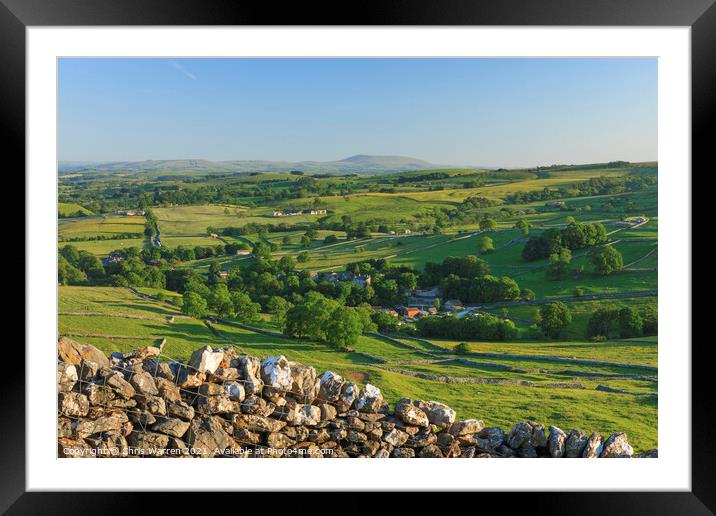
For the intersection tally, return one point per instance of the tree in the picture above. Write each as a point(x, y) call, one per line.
point(262, 250)
point(527, 294)
point(601, 322)
point(553, 318)
point(305, 241)
point(486, 245)
point(330, 239)
point(220, 301)
point(559, 264)
point(287, 240)
point(194, 305)
point(630, 323)
point(386, 323)
point(277, 306)
point(343, 328)
point(606, 259)
point(243, 306)
point(303, 257)
point(68, 274)
point(287, 263)
point(523, 226)
point(462, 349)
point(650, 319)
point(488, 224)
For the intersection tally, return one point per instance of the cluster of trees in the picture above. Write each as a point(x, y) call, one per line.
point(478, 327)
point(113, 236)
point(328, 320)
point(478, 202)
point(553, 318)
point(576, 235)
point(77, 267)
point(594, 186)
point(624, 322)
point(251, 228)
point(468, 278)
point(151, 224)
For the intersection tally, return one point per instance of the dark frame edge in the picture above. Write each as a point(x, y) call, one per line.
point(703, 115)
point(12, 131)
point(702, 498)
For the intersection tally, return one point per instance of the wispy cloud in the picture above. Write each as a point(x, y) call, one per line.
point(183, 70)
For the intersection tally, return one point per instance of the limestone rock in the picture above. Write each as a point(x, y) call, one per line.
point(98, 395)
point(308, 415)
point(278, 440)
point(370, 400)
point(250, 374)
point(594, 447)
point(328, 412)
point(519, 434)
point(556, 442)
point(171, 426)
point(469, 426)
point(276, 373)
point(252, 404)
point(235, 391)
point(617, 445)
point(73, 404)
point(396, 438)
point(207, 437)
point(73, 352)
point(205, 360)
point(574, 446)
point(304, 382)
point(349, 393)
point(438, 413)
point(403, 453)
point(410, 414)
point(118, 384)
point(225, 374)
point(168, 389)
point(66, 376)
point(87, 370)
point(143, 383)
point(258, 423)
point(330, 386)
point(148, 443)
point(110, 423)
point(430, 451)
point(492, 437)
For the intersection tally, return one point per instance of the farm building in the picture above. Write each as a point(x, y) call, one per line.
point(132, 213)
point(453, 305)
point(289, 213)
point(222, 274)
point(362, 281)
point(411, 312)
point(112, 259)
point(243, 252)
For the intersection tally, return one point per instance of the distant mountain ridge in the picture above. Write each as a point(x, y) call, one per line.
point(359, 163)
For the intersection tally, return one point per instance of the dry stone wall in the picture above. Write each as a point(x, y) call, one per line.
point(223, 404)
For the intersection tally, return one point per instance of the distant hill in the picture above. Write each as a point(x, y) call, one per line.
point(359, 164)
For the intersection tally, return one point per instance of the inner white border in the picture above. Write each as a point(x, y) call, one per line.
point(670, 471)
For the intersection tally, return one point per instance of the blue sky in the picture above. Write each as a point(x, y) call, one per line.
point(491, 112)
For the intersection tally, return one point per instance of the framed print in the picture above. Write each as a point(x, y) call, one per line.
point(434, 233)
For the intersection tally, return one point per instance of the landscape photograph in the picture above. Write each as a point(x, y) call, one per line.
point(357, 258)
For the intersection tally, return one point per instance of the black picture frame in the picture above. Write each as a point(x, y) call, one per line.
point(700, 15)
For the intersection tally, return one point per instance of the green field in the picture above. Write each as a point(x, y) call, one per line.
point(66, 209)
point(99, 316)
point(407, 219)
